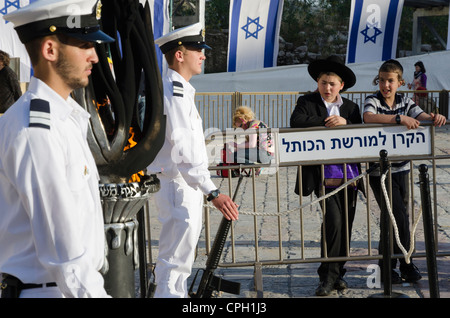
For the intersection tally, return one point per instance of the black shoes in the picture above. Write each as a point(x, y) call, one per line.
point(410, 273)
point(325, 287)
point(395, 278)
point(340, 284)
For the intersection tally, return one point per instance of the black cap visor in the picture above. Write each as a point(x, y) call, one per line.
point(97, 36)
point(89, 30)
point(195, 41)
point(196, 45)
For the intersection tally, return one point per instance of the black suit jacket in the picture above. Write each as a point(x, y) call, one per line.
point(310, 111)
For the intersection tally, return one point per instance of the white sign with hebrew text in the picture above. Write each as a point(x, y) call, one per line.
point(348, 143)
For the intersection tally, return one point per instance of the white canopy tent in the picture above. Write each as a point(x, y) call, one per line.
point(295, 78)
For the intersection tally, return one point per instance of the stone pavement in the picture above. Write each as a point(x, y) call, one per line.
point(279, 238)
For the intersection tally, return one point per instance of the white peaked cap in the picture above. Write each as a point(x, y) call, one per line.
point(190, 36)
point(76, 18)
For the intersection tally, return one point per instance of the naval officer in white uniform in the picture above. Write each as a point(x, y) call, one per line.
point(182, 164)
point(51, 229)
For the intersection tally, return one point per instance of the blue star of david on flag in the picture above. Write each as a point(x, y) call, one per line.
point(9, 4)
point(373, 30)
point(9, 40)
point(247, 28)
point(254, 34)
point(373, 37)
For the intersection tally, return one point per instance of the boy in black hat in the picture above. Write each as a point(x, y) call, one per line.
point(326, 107)
point(51, 232)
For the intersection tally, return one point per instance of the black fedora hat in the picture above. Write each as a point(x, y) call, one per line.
point(332, 64)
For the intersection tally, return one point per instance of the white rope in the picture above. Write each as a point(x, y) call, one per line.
point(407, 254)
point(209, 205)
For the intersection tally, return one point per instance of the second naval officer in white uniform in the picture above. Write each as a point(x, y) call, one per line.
point(182, 164)
point(51, 231)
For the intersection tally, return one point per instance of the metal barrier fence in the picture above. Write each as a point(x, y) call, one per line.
point(275, 109)
point(270, 207)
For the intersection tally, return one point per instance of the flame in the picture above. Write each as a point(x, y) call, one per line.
point(105, 102)
point(136, 177)
point(131, 143)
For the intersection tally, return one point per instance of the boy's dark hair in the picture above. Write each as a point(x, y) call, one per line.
point(390, 66)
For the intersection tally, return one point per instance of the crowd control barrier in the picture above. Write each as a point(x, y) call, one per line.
point(320, 145)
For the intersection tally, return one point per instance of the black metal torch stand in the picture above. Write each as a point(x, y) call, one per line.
point(121, 202)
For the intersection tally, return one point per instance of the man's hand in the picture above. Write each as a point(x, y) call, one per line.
point(226, 205)
point(335, 120)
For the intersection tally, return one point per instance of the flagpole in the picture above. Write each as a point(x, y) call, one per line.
point(170, 15)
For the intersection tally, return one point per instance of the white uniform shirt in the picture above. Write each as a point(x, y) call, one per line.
point(184, 149)
point(51, 227)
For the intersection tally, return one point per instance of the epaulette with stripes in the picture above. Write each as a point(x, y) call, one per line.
point(178, 89)
point(39, 113)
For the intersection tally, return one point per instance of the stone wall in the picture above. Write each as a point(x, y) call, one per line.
point(289, 54)
point(321, 46)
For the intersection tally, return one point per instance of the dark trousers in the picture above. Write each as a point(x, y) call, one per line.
point(336, 238)
point(400, 201)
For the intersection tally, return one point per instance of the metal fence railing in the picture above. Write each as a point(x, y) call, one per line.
point(275, 109)
point(269, 202)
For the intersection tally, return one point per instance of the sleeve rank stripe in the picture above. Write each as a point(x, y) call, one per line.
point(39, 114)
point(178, 89)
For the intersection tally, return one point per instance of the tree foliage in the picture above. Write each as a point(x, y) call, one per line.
point(316, 23)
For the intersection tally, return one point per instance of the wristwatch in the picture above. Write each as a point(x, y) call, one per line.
point(398, 119)
point(214, 194)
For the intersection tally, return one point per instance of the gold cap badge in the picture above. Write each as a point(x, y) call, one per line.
point(98, 10)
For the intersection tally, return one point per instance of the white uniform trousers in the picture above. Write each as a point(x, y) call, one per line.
point(180, 213)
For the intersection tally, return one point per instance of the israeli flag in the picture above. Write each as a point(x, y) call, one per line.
point(159, 10)
point(448, 33)
point(9, 40)
point(253, 34)
point(373, 30)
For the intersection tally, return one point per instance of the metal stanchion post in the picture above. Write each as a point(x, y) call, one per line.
point(385, 229)
point(428, 231)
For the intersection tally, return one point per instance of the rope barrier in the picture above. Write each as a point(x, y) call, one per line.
point(407, 254)
point(209, 205)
